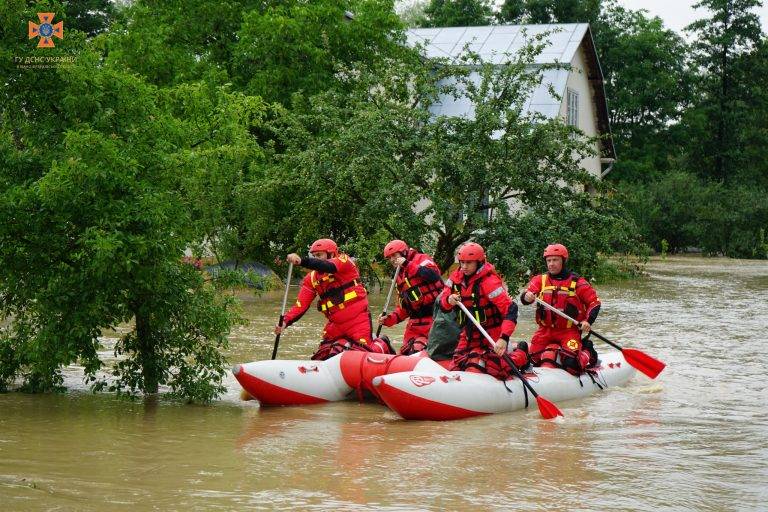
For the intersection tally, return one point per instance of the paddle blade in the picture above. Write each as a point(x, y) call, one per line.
point(650, 366)
point(547, 409)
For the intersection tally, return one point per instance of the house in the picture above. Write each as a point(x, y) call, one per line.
point(581, 101)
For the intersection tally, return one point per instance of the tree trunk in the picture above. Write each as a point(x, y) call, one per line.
point(722, 133)
point(147, 356)
point(445, 253)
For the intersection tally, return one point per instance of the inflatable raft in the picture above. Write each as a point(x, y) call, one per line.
point(425, 395)
point(346, 375)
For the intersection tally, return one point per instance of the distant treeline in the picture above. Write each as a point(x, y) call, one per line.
point(689, 115)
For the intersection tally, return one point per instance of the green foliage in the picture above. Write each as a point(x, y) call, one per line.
point(303, 47)
point(457, 13)
point(721, 49)
point(412, 14)
point(647, 84)
point(549, 11)
point(374, 163)
point(689, 124)
point(89, 16)
point(99, 202)
point(188, 326)
point(688, 212)
point(593, 228)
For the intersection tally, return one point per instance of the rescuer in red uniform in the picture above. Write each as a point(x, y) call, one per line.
point(343, 300)
point(418, 285)
point(477, 285)
point(558, 342)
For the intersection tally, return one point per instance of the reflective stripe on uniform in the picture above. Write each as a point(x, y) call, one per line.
point(347, 297)
point(495, 293)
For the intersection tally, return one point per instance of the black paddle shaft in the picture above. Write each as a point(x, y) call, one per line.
point(601, 337)
point(389, 297)
point(519, 375)
point(277, 338)
point(505, 355)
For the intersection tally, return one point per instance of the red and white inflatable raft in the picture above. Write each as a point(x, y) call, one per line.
point(346, 375)
point(424, 395)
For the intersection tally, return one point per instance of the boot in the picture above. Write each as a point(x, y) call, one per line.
point(383, 345)
point(520, 357)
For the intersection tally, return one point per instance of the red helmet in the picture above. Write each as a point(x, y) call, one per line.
point(471, 251)
point(395, 246)
point(325, 245)
point(556, 250)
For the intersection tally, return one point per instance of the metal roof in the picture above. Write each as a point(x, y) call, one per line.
point(491, 43)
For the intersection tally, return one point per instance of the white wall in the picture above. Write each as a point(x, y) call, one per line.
point(587, 119)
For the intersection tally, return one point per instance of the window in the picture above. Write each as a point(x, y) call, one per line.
point(572, 108)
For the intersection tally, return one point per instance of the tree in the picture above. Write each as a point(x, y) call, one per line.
point(107, 179)
point(376, 164)
point(549, 11)
point(169, 43)
point(457, 13)
point(687, 211)
point(720, 43)
point(648, 86)
point(754, 135)
point(412, 14)
point(305, 46)
point(90, 16)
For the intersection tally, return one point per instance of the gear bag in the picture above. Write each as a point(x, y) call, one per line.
point(443, 335)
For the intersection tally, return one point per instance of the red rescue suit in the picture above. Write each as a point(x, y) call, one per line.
point(418, 285)
point(342, 299)
point(572, 294)
point(484, 295)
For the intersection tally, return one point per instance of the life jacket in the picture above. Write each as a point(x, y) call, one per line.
point(339, 290)
point(477, 303)
point(560, 293)
point(416, 294)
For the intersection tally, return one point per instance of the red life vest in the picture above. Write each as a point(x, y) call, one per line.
point(478, 303)
point(339, 290)
point(560, 293)
point(416, 294)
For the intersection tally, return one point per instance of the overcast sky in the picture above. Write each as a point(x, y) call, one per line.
point(677, 14)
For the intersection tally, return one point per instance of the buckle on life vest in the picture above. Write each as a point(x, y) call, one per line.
point(347, 297)
point(412, 294)
point(478, 313)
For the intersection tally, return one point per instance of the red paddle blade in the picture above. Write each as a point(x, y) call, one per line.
point(547, 409)
point(648, 365)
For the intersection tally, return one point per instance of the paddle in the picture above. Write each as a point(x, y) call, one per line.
point(547, 409)
point(389, 297)
point(282, 311)
point(650, 366)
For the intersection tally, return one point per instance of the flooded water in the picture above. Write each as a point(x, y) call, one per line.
point(696, 438)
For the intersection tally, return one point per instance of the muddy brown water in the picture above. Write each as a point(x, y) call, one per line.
point(694, 439)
